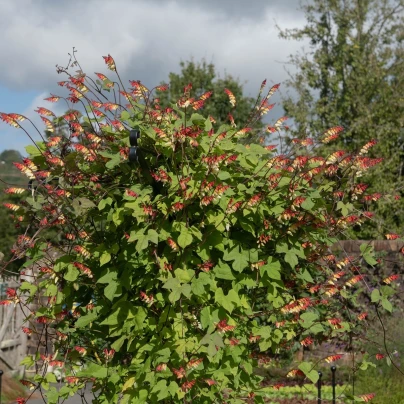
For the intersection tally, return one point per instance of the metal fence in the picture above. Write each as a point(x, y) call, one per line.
point(320, 384)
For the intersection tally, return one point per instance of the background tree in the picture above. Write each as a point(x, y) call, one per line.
point(354, 77)
point(9, 176)
point(204, 78)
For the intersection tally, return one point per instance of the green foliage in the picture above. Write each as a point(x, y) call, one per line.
point(353, 76)
point(175, 273)
point(9, 176)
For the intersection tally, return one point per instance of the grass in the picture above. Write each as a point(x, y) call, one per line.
point(307, 392)
point(11, 389)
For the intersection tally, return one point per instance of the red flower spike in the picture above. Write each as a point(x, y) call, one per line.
point(11, 206)
point(102, 76)
point(9, 120)
point(163, 87)
point(188, 385)
point(294, 373)
point(210, 382)
point(392, 236)
point(223, 327)
point(52, 98)
point(109, 354)
point(86, 270)
point(110, 62)
point(231, 96)
point(307, 341)
point(333, 358)
point(72, 379)
point(194, 363)
point(391, 278)
point(332, 134)
point(28, 384)
point(179, 373)
point(172, 244)
point(231, 119)
point(362, 316)
point(367, 397)
point(380, 356)
point(161, 367)
point(27, 330)
point(17, 117)
point(272, 90)
point(82, 351)
point(234, 341)
point(44, 111)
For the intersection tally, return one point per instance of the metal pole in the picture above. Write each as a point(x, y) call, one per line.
point(333, 370)
point(1, 375)
point(318, 387)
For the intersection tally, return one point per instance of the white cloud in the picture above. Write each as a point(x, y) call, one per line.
point(146, 38)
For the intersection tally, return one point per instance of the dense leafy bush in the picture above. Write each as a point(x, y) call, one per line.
point(176, 272)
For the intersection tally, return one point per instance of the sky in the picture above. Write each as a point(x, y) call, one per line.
point(147, 39)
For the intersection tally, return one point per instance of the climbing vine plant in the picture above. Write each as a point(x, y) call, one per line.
point(183, 255)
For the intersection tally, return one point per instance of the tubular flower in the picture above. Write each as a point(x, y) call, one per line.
point(295, 373)
point(44, 111)
point(333, 358)
point(109, 354)
point(86, 270)
point(179, 373)
point(147, 299)
point(188, 385)
point(172, 244)
point(391, 278)
point(52, 98)
point(82, 251)
point(362, 316)
point(82, 351)
point(206, 266)
point(234, 341)
point(272, 90)
point(48, 124)
point(162, 367)
point(72, 379)
point(8, 119)
point(307, 341)
point(367, 397)
point(297, 305)
point(11, 206)
point(353, 280)
point(367, 146)
point(17, 117)
point(223, 327)
point(53, 141)
point(194, 363)
point(176, 207)
point(332, 134)
point(231, 96)
point(110, 62)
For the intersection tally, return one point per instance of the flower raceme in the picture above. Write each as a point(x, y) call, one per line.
point(165, 265)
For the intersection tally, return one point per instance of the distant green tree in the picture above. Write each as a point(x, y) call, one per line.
point(204, 78)
point(10, 156)
point(354, 76)
point(9, 176)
